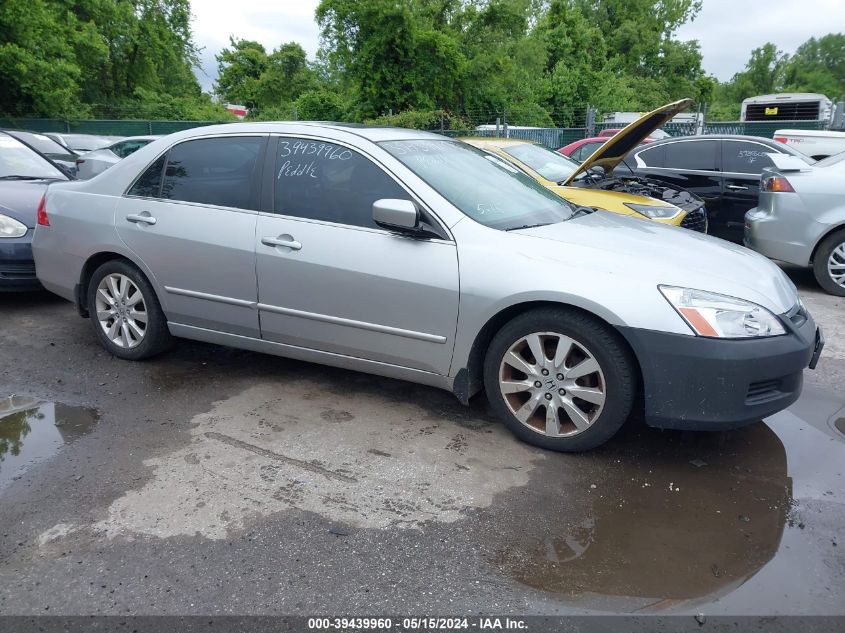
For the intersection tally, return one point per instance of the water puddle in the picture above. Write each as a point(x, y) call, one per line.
point(671, 520)
point(32, 431)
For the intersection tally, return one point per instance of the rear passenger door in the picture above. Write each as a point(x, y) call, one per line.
point(743, 161)
point(692, 164)
point(191, 218)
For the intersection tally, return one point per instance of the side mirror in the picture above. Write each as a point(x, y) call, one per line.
point(391, 213)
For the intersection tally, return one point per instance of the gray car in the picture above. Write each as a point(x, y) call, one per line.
point(800, 217)
point(410, 255)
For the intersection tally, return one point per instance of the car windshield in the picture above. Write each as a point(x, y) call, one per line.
point(43, 144)
point(484, 187)
point(550, 165)
point(17, 161)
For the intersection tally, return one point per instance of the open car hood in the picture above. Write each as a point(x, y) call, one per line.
point(617, 146)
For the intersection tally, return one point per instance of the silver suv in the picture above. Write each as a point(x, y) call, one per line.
point(410, 255)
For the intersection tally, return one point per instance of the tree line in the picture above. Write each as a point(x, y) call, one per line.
point(420, 63)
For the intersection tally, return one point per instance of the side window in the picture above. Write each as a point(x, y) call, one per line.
point(215, 171)
point(699, 155)
point(323, 181)
point(653, 156)
point(745, 158)
point(149, 184)
point(585, 151)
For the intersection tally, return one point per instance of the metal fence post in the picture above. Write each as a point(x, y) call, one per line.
point(498, 125)
point(591, 121)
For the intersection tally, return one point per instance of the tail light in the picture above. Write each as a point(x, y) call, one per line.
point(777, 183)
point(43, 220)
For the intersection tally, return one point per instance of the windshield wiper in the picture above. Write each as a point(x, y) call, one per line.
point(19, 177)
point(528, 226)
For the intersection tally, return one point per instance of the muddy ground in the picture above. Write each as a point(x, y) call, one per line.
point(215, 481)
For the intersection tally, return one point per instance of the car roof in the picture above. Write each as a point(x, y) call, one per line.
point(714, 137)
point(369, 132)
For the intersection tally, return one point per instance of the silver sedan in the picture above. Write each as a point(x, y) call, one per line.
point(410, 255)
point(800, 218)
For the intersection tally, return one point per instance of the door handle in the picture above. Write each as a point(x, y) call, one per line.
point(285, 241)
point(738, 187)
point(143, 218)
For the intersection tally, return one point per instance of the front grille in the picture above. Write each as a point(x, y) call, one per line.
point(17, 270)
point(696, 220)
point(763, 391)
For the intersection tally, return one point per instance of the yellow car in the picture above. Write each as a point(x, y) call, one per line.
point(588, 184)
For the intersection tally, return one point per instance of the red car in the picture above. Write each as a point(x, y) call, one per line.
point(582, 149)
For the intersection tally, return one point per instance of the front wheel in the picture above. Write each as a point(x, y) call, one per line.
point(829, 264)
point(125, 312)
point(560, 379)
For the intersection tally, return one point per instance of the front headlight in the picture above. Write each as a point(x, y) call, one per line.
point(719, 316)
point(10, 227)
point(653, 211)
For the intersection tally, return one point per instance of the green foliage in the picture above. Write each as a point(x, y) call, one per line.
point(529, 62)
point(421, 120)
point(320, 105)
point(77, 58)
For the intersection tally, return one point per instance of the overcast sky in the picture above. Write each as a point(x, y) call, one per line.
point(727, 29)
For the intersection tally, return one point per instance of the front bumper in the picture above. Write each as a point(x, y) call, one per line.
point(698, 383)
point(17, 268)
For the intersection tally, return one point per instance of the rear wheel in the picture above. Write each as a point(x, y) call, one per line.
point(560, 379)
point(829, 264)
point(125, 312)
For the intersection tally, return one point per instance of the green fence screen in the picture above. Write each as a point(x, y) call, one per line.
point(102, 126)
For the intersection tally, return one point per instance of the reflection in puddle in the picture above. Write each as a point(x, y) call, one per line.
point(673, 518)
point(31, 431)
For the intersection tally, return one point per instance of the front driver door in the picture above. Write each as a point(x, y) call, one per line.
point(330, 279)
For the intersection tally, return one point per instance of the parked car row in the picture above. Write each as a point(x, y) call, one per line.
point(81, 155)
point(593, 184)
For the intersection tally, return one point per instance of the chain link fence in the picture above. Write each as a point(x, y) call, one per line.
point(530, 125)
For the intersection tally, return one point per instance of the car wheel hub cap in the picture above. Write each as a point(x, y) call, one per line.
point(552, 384)
point(121, 310)
point(836, 265)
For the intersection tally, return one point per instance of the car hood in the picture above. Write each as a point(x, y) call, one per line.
point(617, 146)
point(19, 199)
point(666, 255)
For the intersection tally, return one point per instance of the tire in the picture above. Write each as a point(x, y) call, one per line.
point(831, 252)
point(611, 388)
point(136, 340)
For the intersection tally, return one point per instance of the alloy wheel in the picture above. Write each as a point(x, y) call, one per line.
point(552, 384)
point(836, 265)
point(121, 310)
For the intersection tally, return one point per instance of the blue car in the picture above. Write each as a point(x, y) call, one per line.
point(24, 177)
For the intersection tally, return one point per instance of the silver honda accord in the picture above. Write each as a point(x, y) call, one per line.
point(410, 255)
